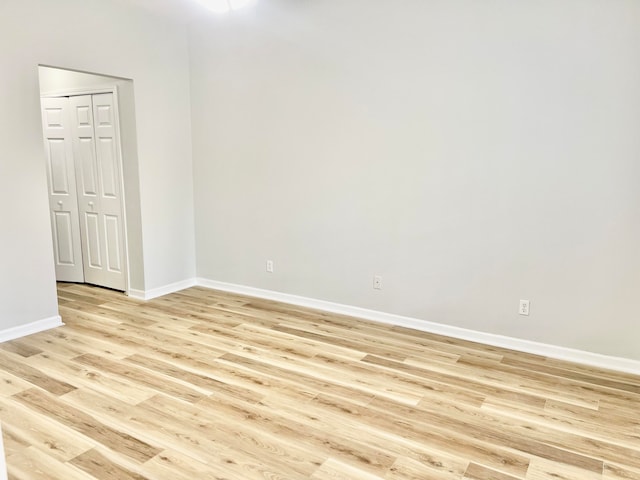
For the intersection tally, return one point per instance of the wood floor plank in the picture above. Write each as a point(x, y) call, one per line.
point(352, 344)
point(323, 442)
point(157, 382)
point(177, 466)
point(563, 434)
point(203, 384)
point(601, 383)
point(20, 347)
point(10, 384)
point(162, 430)
point(614, 472)
point(544, 470)
point(107, 312)
point(333, 469)
point(34, 464)
point(33, 429)
point(259, 442)
point(88, 377)
point(32, 375)
point(13, 443)
point(126, 337)
point(303, 381)
point(87, 425)
point(398, 348)
point(479, 472)
point(319, 370)
point(504, 391)
point(99, 466)
point(410, 469)
point(391, 417)
point(339, 416)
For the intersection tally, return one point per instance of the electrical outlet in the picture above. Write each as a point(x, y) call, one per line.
point(377, 282)
point(270, 266)
point(524, 307)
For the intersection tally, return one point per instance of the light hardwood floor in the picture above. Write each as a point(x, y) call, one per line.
point(207, 385)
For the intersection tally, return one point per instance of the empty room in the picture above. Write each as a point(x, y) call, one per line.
point(315, 239)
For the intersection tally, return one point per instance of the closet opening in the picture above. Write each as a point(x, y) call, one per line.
point(88, 123)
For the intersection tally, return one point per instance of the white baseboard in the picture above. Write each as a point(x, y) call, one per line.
point(547, 350)
point(160, 291)
point(3, 463)
point(30, 328)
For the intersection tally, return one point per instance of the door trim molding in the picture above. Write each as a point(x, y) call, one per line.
point(74, 92)
point(30, 328)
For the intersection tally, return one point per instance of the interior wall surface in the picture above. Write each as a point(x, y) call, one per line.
point(471, 153)
point(105, 37)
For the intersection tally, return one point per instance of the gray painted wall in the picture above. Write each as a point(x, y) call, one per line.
point(102, 37)
point(472, 153)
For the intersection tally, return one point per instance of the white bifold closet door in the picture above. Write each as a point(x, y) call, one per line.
point(98, 188)
point(63, 201)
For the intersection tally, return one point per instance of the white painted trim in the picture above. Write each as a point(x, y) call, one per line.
point(160, 291)
point(137, 294)
point(72, 92)
point(123, 202)
point(547, 350)
point(30, 328)
point(3, 463)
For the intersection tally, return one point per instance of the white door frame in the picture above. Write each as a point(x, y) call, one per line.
point(72, 92)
